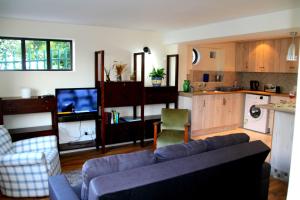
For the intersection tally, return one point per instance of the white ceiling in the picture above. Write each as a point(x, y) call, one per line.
point(156, 15)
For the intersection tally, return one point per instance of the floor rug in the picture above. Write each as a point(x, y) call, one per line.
point(74, 177)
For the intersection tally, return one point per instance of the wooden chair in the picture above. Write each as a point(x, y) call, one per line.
point(174, 127)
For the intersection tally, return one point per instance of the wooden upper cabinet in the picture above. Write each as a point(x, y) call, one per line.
point(284, 65)
point(242, 51)
point(252, 56)
point(265, 56)
point(272, 55)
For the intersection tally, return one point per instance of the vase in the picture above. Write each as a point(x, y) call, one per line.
point(156, 81)
point(186, 86)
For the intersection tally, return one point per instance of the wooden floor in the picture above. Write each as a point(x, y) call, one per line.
point(73, 161)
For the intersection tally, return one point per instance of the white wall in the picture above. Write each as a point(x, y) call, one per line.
point(119, 44)
point(272, 22)
point(294, 179)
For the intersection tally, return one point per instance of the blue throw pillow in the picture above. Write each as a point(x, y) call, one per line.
point(226, 140)
point(111, 164)
point(174, 151)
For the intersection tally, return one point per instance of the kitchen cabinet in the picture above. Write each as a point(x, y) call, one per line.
point(219, 112)
point(242, 57)
point(271, 55)
point(265, 56)
point(214, 57)
point(288, 66)
point(282, 142)
point(210, 59)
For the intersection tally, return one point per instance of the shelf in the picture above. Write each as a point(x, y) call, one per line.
point(80, 117)
point(77, 145)
point(30, 132)
point(152, 117)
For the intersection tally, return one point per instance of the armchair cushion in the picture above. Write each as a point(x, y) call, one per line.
point(6, 145)
point(174, 151)
point(174, 119)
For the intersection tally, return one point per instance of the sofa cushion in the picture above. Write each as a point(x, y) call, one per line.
point(174, 151)
point(110, 164)
point(226, 140)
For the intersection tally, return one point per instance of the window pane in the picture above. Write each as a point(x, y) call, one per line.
point(60, 52)
point(10, 54)
point(36, 55)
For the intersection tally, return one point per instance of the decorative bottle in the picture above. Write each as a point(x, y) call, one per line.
point(186, 86)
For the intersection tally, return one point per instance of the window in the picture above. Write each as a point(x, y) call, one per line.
point(26, 54)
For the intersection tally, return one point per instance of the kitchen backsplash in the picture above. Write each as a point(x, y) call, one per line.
point(285, 81)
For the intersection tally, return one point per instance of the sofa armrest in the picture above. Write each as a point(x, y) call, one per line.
point(60, 188)
point(264, 181)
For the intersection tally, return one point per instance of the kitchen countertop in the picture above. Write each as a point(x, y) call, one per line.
point(281, 107)
point(190, 94)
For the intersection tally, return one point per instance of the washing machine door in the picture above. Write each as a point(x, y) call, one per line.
point(255, 112)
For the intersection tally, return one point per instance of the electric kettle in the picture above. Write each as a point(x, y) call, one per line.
point(254, 85)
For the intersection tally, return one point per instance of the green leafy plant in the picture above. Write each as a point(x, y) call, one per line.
point(157, 73)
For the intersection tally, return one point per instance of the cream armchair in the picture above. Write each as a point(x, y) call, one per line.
point(25, 165)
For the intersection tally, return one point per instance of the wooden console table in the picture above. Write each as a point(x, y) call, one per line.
point(16, 106)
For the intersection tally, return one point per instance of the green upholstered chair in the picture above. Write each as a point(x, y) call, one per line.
point(174, 127)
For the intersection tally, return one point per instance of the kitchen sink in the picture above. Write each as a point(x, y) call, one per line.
point(227, 89)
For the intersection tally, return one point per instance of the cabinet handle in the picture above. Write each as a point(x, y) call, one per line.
point(224, 101)
point(292, 67)
point(204, 103)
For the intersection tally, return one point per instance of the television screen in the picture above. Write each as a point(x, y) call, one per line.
point(76, 100)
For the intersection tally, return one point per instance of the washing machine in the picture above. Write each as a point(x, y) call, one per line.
point(256, 119)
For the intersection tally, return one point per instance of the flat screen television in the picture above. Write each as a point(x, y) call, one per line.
point(76, 101)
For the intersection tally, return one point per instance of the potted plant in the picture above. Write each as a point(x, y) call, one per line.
point(157, 75)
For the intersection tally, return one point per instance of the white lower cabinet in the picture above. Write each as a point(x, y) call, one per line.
point(282, 142)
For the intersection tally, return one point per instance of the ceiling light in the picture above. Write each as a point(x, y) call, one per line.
point(291, 56)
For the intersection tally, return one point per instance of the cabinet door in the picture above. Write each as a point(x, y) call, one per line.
point(203, 113)
point(242, 51)
point(271, 51)
point(198, 110)
point(259, 57)
point(222, 110)
point(237, 109)
point(229, 58)
point(288, 66)
point(252, 57)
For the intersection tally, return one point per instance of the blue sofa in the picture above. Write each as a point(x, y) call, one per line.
point(222, 167)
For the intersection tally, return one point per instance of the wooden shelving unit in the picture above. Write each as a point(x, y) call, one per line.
point(133, 94)
point(119, 94)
